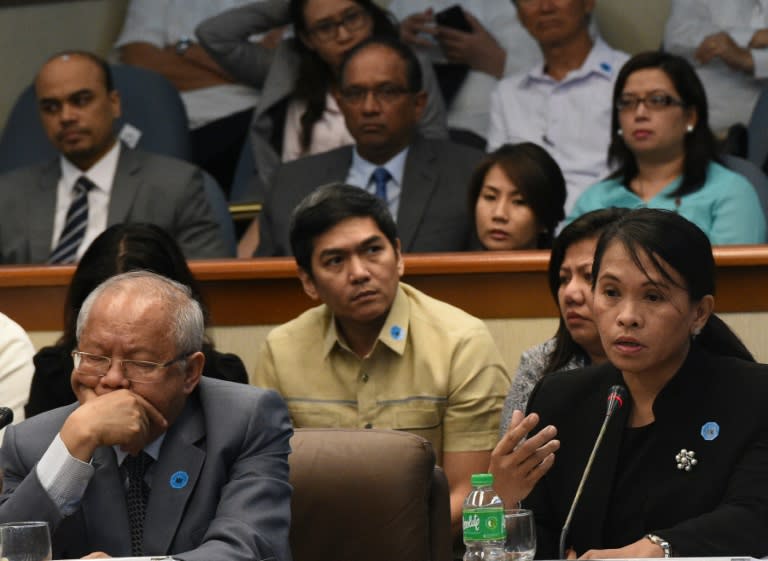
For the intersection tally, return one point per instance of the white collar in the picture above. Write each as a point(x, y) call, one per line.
point(102, 173)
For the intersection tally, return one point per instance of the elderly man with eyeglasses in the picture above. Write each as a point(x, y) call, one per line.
point(152, 460)
point(423, 181)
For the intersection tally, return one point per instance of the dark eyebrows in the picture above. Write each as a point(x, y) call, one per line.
point(374, 239)
point(608, 277)
point(333, 251)
point(649, 282)
point(345, 13)
point(69, 97)
point(47, 101)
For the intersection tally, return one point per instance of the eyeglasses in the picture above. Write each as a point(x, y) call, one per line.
point(328, 29)
point(141, 371)
point(387, 93)
point(652, 102)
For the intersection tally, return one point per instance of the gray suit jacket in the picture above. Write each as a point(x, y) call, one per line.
point(232, 442)
point(226, 38)
point(147, 188)
point(433, 214)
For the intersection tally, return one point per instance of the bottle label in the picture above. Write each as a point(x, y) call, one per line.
point(484, 524)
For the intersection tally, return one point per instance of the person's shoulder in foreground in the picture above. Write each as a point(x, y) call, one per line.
point(16, 366)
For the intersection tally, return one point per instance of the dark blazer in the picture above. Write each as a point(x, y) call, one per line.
point(226, 37)
point(146, 188)
point(51, 387)
point(719, 508)
point(433, 213)
point(233, 443)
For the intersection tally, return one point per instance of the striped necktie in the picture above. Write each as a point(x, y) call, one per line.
point(380, 178)
point(74, 227)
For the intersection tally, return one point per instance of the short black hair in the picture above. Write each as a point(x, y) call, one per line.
point(103, 65)
point(326, 207)
point(537, 177)
point(413, 77)
point(671, 243)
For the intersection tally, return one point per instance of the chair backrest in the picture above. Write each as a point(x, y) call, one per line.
point(220, 208)
point(754, 175)
point(150, 103)
point(757, 140)
point(243, 183)
point(367, 494)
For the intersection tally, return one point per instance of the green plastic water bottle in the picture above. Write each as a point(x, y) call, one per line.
point(483, 521)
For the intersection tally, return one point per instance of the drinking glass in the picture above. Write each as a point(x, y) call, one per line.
point(521, 535)
point(25, 541)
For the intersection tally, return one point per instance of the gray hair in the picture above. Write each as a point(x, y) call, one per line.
point(188, 326)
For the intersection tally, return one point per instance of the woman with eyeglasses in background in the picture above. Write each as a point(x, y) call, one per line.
point(297, 115)
point(666, 155)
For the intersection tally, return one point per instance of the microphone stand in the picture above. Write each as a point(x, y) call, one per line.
point(615, 400)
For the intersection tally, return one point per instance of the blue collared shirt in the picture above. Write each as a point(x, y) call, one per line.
point(361, 175)
point(726, 207)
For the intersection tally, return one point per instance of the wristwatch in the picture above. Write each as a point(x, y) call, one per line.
point(661, 542)
point(182, 45)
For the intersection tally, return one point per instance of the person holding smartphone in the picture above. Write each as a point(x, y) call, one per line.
point(475, 35)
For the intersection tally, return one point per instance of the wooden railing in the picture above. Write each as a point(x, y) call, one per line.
point(266, 291)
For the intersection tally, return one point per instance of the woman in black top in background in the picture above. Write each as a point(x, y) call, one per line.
point(119, 249)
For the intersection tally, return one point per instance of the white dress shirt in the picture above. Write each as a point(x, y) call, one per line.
point(361, 175)
point(469, 109)
point(165, 22)
point(16, 367)
point(101, 174)
point(731, 93)
point(571, 118)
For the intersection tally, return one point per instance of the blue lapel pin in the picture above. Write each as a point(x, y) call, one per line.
point(710, 430)
point(396, 332)
point(179, 479)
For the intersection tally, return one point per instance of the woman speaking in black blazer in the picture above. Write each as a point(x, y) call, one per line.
point(683, 467)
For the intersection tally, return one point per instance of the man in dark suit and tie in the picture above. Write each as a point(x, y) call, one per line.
point(152, 460)
point(424, 182)
point(52, 211)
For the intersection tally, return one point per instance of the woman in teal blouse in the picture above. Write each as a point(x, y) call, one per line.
point(666, 157)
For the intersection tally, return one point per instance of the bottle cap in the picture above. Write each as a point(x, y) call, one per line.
point(482, 479)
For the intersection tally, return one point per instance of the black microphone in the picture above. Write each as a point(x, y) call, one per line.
point(6, 417)
point(616, 396)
